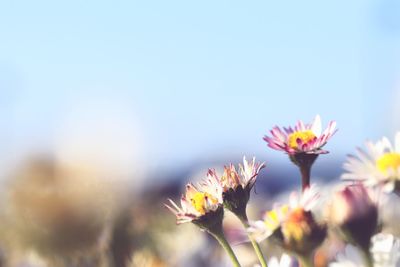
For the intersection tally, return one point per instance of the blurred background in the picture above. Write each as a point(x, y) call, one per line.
point(109, 107)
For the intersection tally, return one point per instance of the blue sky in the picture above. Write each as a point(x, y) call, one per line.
point(197, 79)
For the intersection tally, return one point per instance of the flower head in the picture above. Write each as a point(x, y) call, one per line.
point(302, 138)
point(201, 205)
point(236, 184)
point(355, 213)
point(379, 164)
point(293, 226)
point(384, 252)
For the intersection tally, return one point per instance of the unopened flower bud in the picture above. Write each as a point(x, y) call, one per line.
point(356, 214)
point(236, 185)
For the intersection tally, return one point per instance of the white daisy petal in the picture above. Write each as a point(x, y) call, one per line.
point(316, 126)
point(379, 164)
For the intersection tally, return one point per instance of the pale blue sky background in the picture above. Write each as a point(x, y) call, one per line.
point(196, 79)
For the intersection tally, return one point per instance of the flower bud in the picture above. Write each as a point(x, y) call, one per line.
point(236, 185)
point(355, 214)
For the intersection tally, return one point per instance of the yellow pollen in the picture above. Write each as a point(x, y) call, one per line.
point(305, 136)
point(273, 217)
point(296, 225)
point(199, 200)
point(388, 161)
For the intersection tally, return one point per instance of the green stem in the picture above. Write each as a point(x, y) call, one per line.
point(222, 241)
point(306, 261)
point(256, 246)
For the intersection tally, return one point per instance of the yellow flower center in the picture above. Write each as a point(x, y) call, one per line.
point(305, 136)
point(296, 225)
point(273, 217)
point(200, 199)
point(388, 161)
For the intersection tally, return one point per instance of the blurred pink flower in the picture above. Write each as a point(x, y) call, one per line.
point(355, 212)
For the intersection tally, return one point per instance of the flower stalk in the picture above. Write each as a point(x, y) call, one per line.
point(304, 161)
point(218, 234)
point(256, 246)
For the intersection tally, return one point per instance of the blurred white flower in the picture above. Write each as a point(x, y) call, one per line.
point(379, 164)
point(292, 227)
point(385, 251)
point(284, 261)
point(273, 219)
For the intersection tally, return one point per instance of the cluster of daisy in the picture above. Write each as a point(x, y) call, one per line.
point(350, 218)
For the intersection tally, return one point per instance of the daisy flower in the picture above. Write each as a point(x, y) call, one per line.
point(302, 138)
point(379, 164)
point(303, 144)
point(199, 205)
point(236, 184)
point(203, 206)
point(274, 218)
point(292, 226)
point(384, 253)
